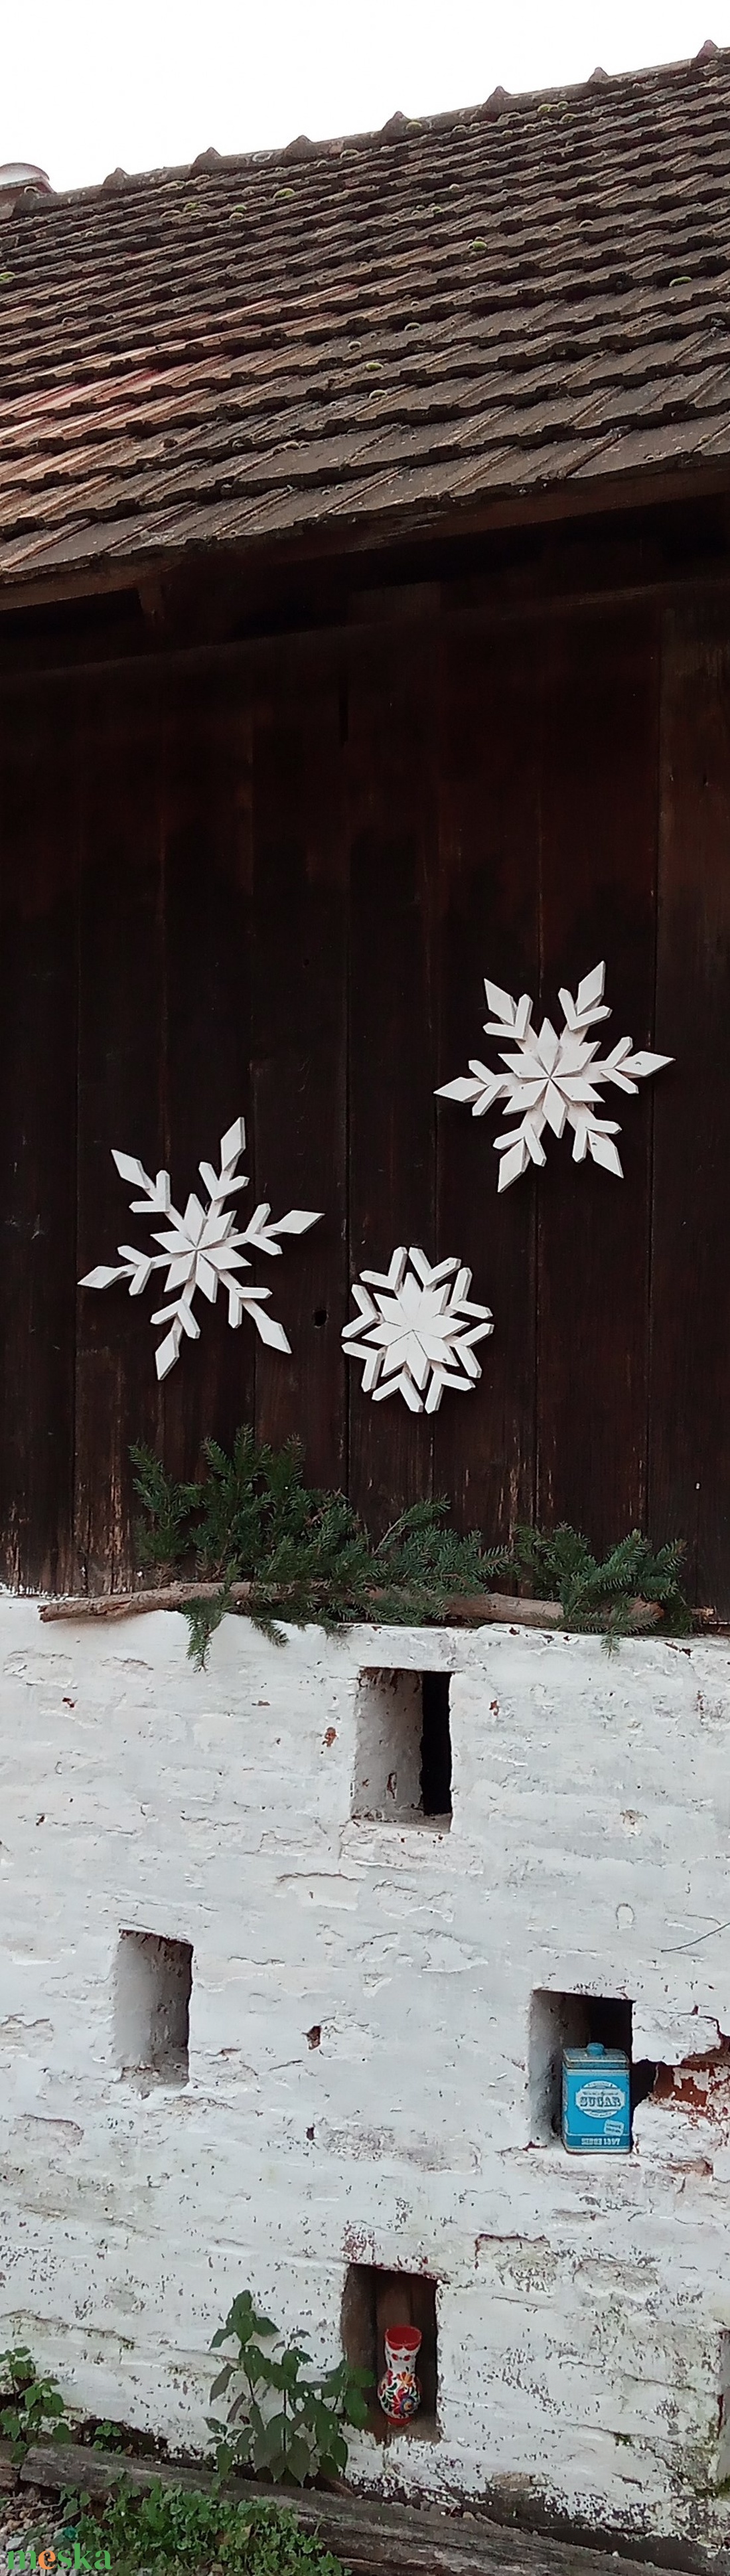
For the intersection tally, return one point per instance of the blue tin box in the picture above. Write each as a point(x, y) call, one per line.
point(596, 2100)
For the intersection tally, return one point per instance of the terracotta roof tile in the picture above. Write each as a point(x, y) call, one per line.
point(532, 293)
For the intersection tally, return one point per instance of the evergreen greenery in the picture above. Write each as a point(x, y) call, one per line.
point(305, 1553)
point(599, 1594)
point(306, 1556)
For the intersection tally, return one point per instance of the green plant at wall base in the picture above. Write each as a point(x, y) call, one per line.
point(305, 1556)
point(31, 2407)
point(300, 2436)
point(107, 2437)
point(164, 2528)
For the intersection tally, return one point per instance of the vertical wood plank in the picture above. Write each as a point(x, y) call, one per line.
point(392, 767)
point(690, 1340)
point(119, 1103)
point(207, 902)
point(598, 901)
point(487, 924)
point(38, 889)
point(300, 999)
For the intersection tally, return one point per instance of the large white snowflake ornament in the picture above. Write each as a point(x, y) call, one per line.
point(415, 1330)
point(202, 1249)
point(549, 1079)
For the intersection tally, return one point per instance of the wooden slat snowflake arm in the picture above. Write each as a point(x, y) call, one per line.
point(417, 1334)
point(551, 1077)
point(200, 1250)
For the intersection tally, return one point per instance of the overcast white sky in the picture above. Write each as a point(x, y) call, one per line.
point(87, 85)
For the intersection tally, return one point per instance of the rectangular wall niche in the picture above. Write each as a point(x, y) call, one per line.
point(403, 1747)
point(152, 2008)
point(560, 2021)
point(373, 2300)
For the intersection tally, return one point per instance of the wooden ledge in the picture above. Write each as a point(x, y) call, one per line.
point(371, 2538)
point(479, 1608)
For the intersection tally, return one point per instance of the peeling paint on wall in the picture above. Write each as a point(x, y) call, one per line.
point(358, 2074)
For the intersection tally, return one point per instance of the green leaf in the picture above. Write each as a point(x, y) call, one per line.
point(299, 2460)
point(334, 2459)
point(222, 2382)
point(356, 2407)
point(240, 2318)
point(269, 2443)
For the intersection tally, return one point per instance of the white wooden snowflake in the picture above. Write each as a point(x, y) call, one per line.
point(415, 1330)
point(551, 1078)
point(202, 1249)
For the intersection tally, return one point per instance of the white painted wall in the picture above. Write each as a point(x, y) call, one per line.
point(584, 2305)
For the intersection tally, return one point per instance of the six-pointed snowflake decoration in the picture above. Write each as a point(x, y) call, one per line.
point(415, 1330)
point(549, 1079)
point(202, 1249)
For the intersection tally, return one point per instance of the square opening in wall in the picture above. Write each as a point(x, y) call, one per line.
point(403, 1747)
point(152, 2008)
point(559, 2021)
point(374, 2302)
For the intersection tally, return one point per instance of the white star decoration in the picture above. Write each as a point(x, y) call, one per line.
point(201, 1249)
point(416, 1331)
point(550, 1079)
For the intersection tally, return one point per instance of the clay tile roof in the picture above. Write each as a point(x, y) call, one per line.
point(532, 293)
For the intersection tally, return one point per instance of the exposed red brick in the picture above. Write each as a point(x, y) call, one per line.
point(701, 2085)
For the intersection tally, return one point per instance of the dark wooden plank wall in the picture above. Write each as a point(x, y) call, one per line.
point(488, 923)
point(120, 1008)
point(393, 819)
point(598, 900)
point(299, 1042)
point(39, 832)
point(272, 882)
point(689, 1400)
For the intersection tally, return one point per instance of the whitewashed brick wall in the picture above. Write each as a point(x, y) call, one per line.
point(583, 2306)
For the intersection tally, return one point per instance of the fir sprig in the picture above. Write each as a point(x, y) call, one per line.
point(599, 1593)
point(305, 1556)
point(304, 1552)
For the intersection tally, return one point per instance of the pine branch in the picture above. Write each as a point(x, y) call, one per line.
point(603, 1596)
point(252, 1535)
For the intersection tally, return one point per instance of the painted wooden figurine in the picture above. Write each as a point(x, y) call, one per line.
point(399, 2391)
